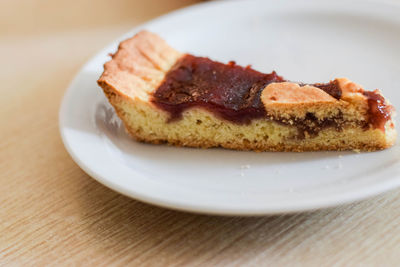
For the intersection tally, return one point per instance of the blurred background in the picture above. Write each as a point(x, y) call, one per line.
point(35, 17)
point(44, 42)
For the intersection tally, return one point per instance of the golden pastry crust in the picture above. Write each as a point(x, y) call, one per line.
point(138, 66)
point(286, 100)
point(141, 63)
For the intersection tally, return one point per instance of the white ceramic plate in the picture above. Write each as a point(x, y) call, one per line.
point(306, 41)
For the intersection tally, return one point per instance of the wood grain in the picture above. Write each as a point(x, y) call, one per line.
point(52, 213)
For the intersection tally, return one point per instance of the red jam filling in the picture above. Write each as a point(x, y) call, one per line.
point(233, 92)
point(228, 90)
point(379, 112)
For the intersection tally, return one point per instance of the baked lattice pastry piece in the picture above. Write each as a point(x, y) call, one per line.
point(164, 96)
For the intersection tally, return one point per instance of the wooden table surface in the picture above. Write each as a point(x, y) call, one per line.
point(52, 213)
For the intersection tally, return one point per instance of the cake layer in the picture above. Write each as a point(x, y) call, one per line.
point(200, 128)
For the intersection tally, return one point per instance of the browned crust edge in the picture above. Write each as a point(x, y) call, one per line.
point(251, 147)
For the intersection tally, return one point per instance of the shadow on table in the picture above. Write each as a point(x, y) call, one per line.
point(139, 232)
